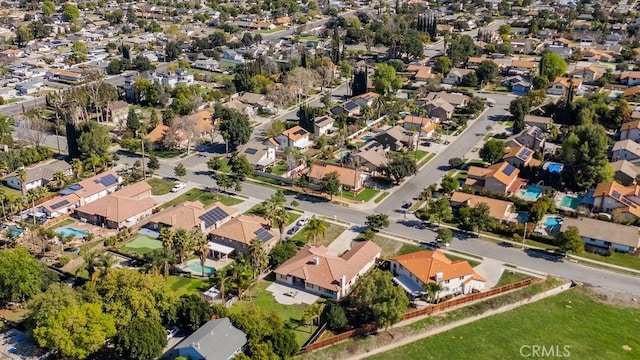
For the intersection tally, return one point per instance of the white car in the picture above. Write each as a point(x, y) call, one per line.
point(303, 221)
point(172, 331)
point(178, 187)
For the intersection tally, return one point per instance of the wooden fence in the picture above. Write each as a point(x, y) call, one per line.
point(56, 220)
point(371, 328)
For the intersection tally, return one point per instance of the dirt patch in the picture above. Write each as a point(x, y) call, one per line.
point(615, 298)
point(14, 316)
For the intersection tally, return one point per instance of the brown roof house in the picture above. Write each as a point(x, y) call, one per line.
point(427, 126)
point(117, 112)
point(499, 210)
point(258, 154)
point(630, 130)
point(414, 270)
point(561, 85)
point(456, 99)
point(121, 209)
point(531, 137)
point(440, 109)
point(192, 214)
point(374, 160)
point(294, 138)
point(236, 235)
point(605, 234)
point(316, 270)
point(351, 179)
point(625, 172)
point(397, 137)
point(623, 202)
point(500, 178)
point(520, 156)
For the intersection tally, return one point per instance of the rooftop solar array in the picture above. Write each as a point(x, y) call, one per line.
point(300, 132)
point(350, 105)
point(616, 195)
point(251, 151)
point(508, 170)
point(107, 180)
point(263, 235)
point(524, 153)
point(213, 216)
point(60, 204)
point(76, 187)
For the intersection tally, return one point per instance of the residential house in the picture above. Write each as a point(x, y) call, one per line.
point(522, 46)
point(623, 202)
point(318, 271)
point(597, 55)
point(215, 340)
point(12, 53)
point(258, 154)
point(625, 172)
point(522, 67)
point(201, 126)
point(630, 78)
point(560, 86)
point(117, 111)
point(294, 138)
point(350, 179)
point(373, 160)
point(500, 178)
point(541, 122)
point(613, 39)
point(366, 99)
point(439, 109)
point(605, 234)
point(232, 56)
point(425, 125)
point(67, 76)
point(193, 215)
point(520, 156)
point(458, 100)
point(588, 74)
point(455, 75)
point(236, 235)
point(396, 138)
point(420, 72)
point(521, 87)
point(81, 193)
point(473, 62)
point(625, 150)
point(30, 86)
point(206, 64)
point(563, 52)
point(499, 210)
point(120, 209)
point(415, 270)
point(38, 175)
point(532, 137)
point(257, 101)
point(630, 130)
point(322, 125)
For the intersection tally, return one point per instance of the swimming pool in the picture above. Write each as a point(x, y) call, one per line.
point(367, 137)
point(553, 167)
point(68, 231)
point(15, 231)
point(552, 223)
point(196, 268)
point(522, 217)
point(531, 192)
point(570, 201)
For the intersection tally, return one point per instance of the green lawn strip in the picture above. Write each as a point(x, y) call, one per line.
point(392, 247)
point(510, 277)
point(487, 137)
point(419, 154)
point(181, 285)
point(62, 223)
point(11, 193)
point(426, 159)
point(205, 197)
point(616, 258)
point(160, 186)
point(262, 299)
point(473, 263)
point(571, 318)
point(167, 154)
point(381, 197)
point(258, 210)
point(364, 195)
point(292, 217)
point(333, 231)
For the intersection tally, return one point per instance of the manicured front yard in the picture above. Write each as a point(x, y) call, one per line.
point(262, 299)
point(590, 329)
point(279, 169)
point(181, 285)
point(364, 195)
point(258, 210)
point(160, 186)
point(205, 197)
point(333, 231)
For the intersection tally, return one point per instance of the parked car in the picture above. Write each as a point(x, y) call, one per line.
point(294, 229)
point(303, 221)
point(172, 332)
point(178, 187)
point(407, 205)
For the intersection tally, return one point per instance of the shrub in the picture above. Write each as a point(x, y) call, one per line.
point(110, 241)
point(65, 260)
point(455, 162)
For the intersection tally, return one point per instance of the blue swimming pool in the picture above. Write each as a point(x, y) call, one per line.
point(570, 201)
point(68, 231)
point(15, 231)
point(552, 223)
point(196, 268)
point(553, 167)
point(531, 192)
point(367, 137)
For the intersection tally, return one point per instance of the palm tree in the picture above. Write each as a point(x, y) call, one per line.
point(432, 289)
point(167, 237)
point(76, 166)
point(270, 208)
point(3, 198)
point(107, 261)
point(379, 103)
point(311, 313)
point(93, 161)
point(259, 257)
point(91, 264)
point(201, 246)
point(182, 243)
point(59, 178)
point(47, 235)
point(280, 218)
point(315, 229)
point(18, 204)
point(21, 174)
point(32, 196)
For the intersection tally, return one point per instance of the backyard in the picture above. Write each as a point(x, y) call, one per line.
point(205, 197)
point(259, 297)
point(575, 318)
point(142, 245)
point(160, 186)
point(333, 231)
point(181, 285)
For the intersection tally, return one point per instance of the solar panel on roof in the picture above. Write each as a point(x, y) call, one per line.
point(263, 235)
point(524, 153)
point(508, 170)
point(76, 187)
point(213, 216)
point(350, 105)
point(108, 180)
point(251, 151)
point(616, 195)
point(300, 132)
point(60, 204)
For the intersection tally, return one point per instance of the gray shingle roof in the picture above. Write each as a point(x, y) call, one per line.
point(215, 340)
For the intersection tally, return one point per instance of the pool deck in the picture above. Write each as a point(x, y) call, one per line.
point(216, 264)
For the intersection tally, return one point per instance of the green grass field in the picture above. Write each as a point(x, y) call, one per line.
point(591, 329)
point(259, 297)
point(510, 277)
point(364, 195)
point(205, 197)
point(160, 186)
point(143, 244)
point(392, 247)
point(183, 285)
point(333, 231)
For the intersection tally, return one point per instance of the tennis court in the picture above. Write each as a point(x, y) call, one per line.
point(143, 244)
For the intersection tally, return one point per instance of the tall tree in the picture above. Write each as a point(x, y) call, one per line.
point(316, 228)
point(192, 312)
point(234, 127)
point(570, 240)
point(585, 151)
point(179, 170)
point(21, 275)
point(492, 151)
point(385, 79)
point(377, 222)
point(330, 184)
point(552, 65)
point(141, 339)
point(379, 300)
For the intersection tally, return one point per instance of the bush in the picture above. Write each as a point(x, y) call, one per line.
point(65, 260)
point(455, 162)
point(110, 241)
point(368, 234)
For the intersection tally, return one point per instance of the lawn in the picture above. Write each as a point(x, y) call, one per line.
point(590, 329)
point(205, 197)
point(181, 285)
point(392, 247)
point(426, 159)
point(258, 210)
point(279, 169)
point(364, 195)
point(160, 186)
point(63, 223)
point(167, 154)
point(333, 231)
point(381, 197)
point(262, 299)
point(10, 192)
point(419, 154)
point(142, 244)
point(616, 258)
point(510, 277)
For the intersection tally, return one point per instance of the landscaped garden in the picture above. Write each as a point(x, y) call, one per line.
point(364, 195)
point(331, 233)
point(205, 197)
point(142, 244)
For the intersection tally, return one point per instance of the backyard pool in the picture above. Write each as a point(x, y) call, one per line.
point(68, 231)
point(367, 137)
point(553, 167)
point(552, 224)
point(15, 231)
point(531, 192)
point(570, 201)
point(195, 267)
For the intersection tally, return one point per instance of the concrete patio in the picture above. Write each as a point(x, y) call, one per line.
point(287, 295)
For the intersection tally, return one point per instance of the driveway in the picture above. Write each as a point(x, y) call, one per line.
point(491, 270)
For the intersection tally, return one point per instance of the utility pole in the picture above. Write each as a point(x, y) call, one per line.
point(524, 234)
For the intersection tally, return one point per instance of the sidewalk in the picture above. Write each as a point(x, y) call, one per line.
point(459, 323)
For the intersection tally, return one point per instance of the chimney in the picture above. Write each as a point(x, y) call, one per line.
point(438, 277)
point(316, 260)
point(343, 280)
